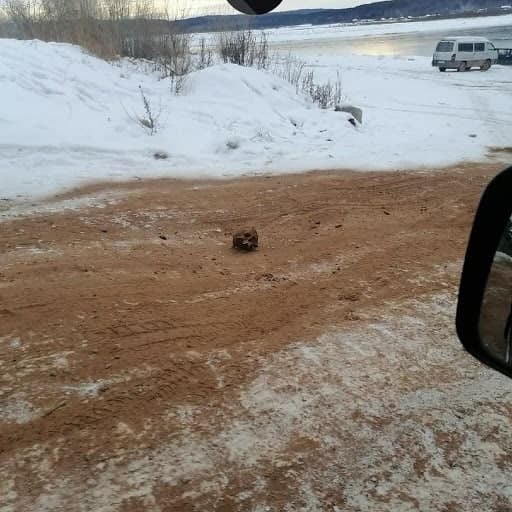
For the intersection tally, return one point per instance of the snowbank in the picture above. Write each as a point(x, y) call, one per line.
point(67, 118)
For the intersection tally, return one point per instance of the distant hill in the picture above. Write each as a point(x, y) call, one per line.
point(391, 9)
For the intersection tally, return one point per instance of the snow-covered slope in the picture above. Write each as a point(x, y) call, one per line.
point(67, 118)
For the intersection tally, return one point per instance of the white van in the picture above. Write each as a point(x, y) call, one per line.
point(464, 53)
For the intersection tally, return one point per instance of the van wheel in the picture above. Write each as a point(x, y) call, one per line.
point(463, 66)
point(486, 65)
point(442, 70)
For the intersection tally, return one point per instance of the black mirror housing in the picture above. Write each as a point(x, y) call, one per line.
point(491, 220)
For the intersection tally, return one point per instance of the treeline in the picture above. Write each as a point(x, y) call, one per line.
point(108, 28)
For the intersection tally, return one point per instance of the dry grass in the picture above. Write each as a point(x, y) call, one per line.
point(107, 28)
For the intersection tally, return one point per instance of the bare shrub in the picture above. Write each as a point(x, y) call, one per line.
point(261, 52)
point(294, 71)
point(326, 95)
point(290, 69)
point(149, 120)
point(205, 57)
point(129, 27)
point(244, 48)
point(177, 84)
point(173, 54)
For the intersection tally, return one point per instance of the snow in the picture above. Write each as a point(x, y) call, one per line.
point(17, 411)
point(350, 31)
point(501, 257)
point(68, 118)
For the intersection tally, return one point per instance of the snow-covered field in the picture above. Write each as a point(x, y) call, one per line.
point(68, 118)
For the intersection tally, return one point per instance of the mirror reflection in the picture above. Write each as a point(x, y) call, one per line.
point(496, 312)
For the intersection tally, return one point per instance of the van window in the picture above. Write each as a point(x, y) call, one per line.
point(465, 47)
point(479, 47)
point(490, 46)
point(444, 46)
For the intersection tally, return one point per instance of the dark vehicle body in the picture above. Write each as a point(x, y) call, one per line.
point(505, 56)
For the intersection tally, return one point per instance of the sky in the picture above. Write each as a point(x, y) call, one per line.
point(219, 6)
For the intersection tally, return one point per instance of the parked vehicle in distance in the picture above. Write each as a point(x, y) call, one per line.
point(464, 53)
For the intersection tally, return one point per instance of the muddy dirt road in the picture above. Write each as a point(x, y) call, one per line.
point(147, 366)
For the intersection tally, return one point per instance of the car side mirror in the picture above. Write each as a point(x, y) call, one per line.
point(484, 309)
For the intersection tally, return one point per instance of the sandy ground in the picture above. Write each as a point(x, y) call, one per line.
point(147, 366)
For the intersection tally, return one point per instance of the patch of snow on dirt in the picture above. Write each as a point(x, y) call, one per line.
point(17, 411)
point(12, 210)
point(12, 342)
point(88, 389)
point(400, 418)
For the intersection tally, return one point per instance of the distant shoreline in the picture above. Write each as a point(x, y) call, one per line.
point(197, 24)
point(399, 28)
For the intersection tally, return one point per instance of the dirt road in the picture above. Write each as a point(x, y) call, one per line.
point(146, 365)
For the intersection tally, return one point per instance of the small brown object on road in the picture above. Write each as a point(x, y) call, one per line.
point(246, 240)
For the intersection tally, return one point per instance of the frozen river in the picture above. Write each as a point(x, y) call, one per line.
point(334, 41)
